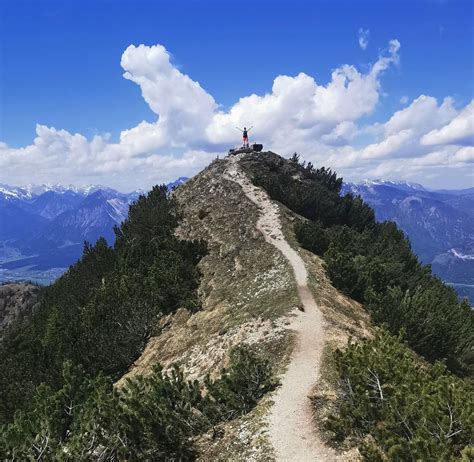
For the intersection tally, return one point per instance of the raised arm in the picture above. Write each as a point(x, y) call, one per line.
point(240, 130)
point(250, 128)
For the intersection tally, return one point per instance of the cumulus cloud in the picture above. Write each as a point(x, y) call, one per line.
point(398, 151)
point(421, 115)
point(458, 131)
point(183, 107)
point(402, 134)
point(322, 121)
point(299, 110)
point(364, 38)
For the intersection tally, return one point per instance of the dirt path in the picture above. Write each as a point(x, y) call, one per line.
point(291, 428)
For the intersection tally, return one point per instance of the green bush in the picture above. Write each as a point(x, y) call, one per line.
point(342, 270)
point(241, 386)
point(312, 236)
point(152, 417)
point(413, 411)
point(437, 325)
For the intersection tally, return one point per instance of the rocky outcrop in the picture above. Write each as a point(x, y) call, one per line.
point(16, 302)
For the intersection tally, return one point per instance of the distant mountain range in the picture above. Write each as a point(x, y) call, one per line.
point(43, 228)
point(439, 224)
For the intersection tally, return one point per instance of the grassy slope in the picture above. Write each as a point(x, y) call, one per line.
point(247, 292)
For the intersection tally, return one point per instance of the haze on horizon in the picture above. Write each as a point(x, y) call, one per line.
point(364, 89)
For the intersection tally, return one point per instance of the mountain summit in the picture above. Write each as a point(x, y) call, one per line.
point(217, 327)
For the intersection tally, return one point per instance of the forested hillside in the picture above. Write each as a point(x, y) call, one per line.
point(373, 263)
point(57, 367)
point(100, 313)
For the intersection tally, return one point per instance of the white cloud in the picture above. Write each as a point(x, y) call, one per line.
point(324, 122)
point(390, 146)
point(183, 107)
point(421, 115)
point(459, 130)
point(299, 110)
point(404, 99)
point(465, 154)
point(341, 134)
point(403, 134)
point(364, 38)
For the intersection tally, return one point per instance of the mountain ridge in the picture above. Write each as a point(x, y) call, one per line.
point(240, 324)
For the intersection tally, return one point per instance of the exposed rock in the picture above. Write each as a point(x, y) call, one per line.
point(16, 302)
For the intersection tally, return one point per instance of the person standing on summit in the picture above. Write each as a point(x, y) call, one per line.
point(245, 135)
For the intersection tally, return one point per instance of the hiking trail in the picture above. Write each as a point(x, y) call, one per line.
point(291, 428)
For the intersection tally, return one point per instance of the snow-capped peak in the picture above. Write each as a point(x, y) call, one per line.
point(174, 184)
point(36, 190)
point(398, 184)
point(13, 192)
point(31, 191)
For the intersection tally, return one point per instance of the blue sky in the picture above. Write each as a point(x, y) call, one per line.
point(60, 67)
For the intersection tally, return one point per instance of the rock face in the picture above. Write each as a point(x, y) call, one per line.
point(16, 302)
